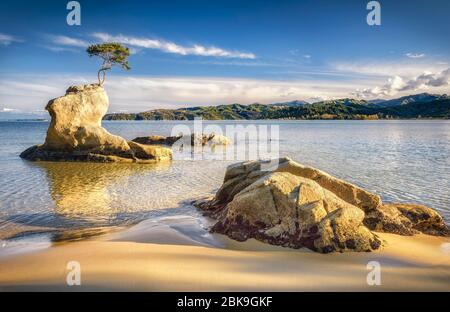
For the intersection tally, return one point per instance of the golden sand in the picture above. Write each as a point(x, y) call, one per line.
point(131, 261)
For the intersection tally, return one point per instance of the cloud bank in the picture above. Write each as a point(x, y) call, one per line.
point(398, 84)
point(379, 68)
point(141, 93)
point(135, 94)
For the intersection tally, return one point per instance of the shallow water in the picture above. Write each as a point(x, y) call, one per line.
point(405, 161)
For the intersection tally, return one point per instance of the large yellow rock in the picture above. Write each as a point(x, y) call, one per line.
point(345, 190)
point(75, 132)
point(284, 209)
point(286, 203)
point(76, 121)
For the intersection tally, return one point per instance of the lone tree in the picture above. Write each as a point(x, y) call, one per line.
point(112, 54)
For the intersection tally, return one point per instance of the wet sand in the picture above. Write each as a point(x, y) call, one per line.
point(175, 255)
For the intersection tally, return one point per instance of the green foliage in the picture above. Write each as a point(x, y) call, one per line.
point(336, 109)
point(112, 54)
point(434, 109)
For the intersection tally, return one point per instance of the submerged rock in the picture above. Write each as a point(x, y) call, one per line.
point(193, 140)
point(75, 132)
point(297, 206)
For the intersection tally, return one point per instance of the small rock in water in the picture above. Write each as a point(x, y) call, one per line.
point(193, 140)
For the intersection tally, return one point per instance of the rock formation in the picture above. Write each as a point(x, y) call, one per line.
point(76, 134)
point(211, 139)
point(298, 206)
point(406, 219)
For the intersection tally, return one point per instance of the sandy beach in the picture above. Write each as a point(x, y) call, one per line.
point(174, 255)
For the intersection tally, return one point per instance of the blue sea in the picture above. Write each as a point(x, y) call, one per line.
point(403, 161)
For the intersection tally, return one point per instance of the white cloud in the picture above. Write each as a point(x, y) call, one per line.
point(69, 41)
point(318, 98)
point(415, 55)
point(307, 56)
point(406, 68)
point(8, 110)
point(170, 47)
point(143, 93)
point(425, 80)
point(62, 42)
point(59, 48)
point(8, 39)
point(398, 84)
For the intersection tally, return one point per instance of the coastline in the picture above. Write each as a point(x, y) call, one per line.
point(178, 254)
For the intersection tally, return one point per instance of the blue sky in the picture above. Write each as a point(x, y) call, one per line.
point(218, 52)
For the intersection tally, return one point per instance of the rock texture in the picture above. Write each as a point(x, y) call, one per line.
point(76, 134)
point(406, 219)
point(211, 139)
point(298, 206)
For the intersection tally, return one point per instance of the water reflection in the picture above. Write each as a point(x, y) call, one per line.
point(84, 189)
point(85, 199)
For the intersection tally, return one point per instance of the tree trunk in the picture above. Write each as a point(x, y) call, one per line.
point(102, 80)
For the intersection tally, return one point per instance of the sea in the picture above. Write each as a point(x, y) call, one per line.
point(48, 202)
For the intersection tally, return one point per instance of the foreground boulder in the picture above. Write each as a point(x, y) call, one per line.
point(211, 139)
point(75, 132)
point(297, 206)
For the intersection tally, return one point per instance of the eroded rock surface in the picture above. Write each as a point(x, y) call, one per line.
point(75, 132)
point(297, 206)
point(406, 219)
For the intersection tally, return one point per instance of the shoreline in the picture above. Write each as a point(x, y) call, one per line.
point(179, 254)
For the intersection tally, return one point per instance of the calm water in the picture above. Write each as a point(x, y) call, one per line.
point(405, 161)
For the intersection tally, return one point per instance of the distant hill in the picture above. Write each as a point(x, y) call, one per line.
point(231, 111)
point(334, 109)
point(416, 98)
point(376, 101)
point(290, 104)
point(434, 109)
